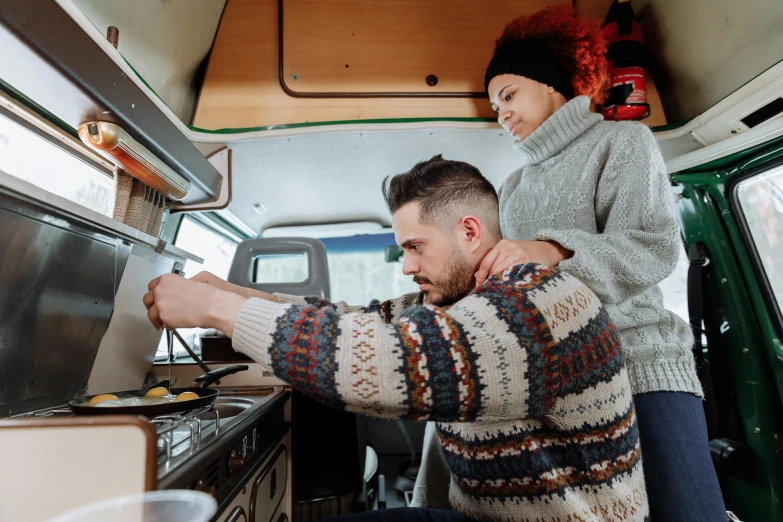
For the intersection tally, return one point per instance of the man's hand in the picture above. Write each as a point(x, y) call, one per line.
point(176, 302)
point(508, 253)
point(213, 280)
point(220, 284)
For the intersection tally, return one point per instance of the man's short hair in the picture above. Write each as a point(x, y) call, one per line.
point(447, 191)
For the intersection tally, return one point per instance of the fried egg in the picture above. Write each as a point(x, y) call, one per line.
point(103, 397)
point(186, 396)
point(157, 392)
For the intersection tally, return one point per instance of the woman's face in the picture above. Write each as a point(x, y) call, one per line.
point(522, 104)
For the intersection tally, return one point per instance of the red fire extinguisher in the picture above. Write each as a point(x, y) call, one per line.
point(627, 59)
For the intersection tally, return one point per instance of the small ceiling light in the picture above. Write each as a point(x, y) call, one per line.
point(113, 143)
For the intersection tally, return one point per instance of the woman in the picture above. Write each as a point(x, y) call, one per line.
point(592, 197)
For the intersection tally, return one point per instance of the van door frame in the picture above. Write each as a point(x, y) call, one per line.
point(708, 215)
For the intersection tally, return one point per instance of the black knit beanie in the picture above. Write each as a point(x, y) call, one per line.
point(528, 59)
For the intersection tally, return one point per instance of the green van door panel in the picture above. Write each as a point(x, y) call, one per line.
point(750, 328)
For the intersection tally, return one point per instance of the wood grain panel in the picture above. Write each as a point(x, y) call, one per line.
point(393, 45)
point(242, 88)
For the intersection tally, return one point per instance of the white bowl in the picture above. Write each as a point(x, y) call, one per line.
point(176, 505)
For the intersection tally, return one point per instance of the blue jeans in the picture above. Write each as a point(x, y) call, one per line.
point(681, 482)
point(406, 514)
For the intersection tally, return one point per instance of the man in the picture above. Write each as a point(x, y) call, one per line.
point(524, 374)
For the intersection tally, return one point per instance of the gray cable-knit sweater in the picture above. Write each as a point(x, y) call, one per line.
point(600, 189)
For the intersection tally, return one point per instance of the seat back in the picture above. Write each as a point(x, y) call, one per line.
point(243, 267)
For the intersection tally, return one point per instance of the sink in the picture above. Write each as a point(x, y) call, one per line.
point(228, 407)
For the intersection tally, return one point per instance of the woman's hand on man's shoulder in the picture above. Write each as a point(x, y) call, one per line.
point(508, 253)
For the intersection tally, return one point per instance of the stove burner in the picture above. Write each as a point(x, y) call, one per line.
point(190, 428)
point(181, 436)
point(218, 448)
point(177, 433)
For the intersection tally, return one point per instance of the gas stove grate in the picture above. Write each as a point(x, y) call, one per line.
point(177, 433)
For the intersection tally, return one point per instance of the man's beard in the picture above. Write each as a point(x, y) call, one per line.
point(457, 281)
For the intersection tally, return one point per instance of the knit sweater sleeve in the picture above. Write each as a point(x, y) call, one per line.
point(495, 354)
point(388, 310)
point(638, 241)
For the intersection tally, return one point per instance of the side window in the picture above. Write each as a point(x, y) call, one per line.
point(280, 268)
point(27, 156)
point(217, 252)
point(761, 201)
point(675, 288)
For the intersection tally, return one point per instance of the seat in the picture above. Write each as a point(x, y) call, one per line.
point(330, 446)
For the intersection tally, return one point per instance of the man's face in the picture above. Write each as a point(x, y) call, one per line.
point(433, 257)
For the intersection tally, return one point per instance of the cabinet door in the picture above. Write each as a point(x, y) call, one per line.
point(269, 487)
point(280, 517)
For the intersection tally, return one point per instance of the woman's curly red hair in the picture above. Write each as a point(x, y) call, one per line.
point(577, 44)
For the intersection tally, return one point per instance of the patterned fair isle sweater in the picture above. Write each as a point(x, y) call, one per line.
point(525, 377)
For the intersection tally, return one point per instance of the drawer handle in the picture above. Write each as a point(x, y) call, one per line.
point(237, 515)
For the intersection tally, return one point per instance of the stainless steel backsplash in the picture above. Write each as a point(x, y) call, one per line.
point(58, 280)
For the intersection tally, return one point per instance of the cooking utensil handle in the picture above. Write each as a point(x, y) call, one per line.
point(195, 357)
point(208, 378)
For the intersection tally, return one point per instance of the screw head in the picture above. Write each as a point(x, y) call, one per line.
point(431, 80)
point(294, 76)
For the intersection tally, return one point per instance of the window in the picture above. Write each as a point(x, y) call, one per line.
point(27, 156)
point(675, 288)
point(761, 200)
point(198, 239)
point(358, 271)
point(280, 268)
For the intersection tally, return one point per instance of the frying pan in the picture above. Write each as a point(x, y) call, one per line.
point(206, 396)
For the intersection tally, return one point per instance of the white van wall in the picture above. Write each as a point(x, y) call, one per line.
point(703, 50)
point(165, 42)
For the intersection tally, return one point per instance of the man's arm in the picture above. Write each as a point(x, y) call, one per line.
point(389, 310)
point(509, 350)
point(491, 356)
point(221, 284)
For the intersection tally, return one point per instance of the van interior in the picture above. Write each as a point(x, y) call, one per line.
point(250, 138)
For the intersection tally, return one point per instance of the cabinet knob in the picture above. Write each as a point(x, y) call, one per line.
point(236, 462)
point(209, 490)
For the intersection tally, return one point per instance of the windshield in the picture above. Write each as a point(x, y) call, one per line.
point(358, 271)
